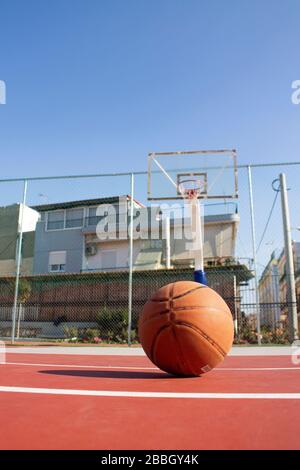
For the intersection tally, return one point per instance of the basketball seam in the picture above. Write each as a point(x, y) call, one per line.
point(181, 353)
point(199, 307)
point(179, 296)
point(152, 355)
point(182, 358)
point(188, 292)
point(154, 317)
point(204, 335)
point(171, 304)
point(194, 307)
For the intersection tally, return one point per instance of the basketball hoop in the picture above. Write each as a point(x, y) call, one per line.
point(191, 188)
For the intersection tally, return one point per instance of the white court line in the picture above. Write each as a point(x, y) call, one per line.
point(78, 366)
point(114, 393)
point(257, 368)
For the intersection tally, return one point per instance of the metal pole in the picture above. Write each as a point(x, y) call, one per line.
point(235, 306)
point(104, 175)
point(130, 259)
point(290, 274)
point(168, 242)
point(18, 261)
point(254, 254)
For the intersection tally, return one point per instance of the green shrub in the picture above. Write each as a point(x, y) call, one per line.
point(246, 332)
point(89, 335)
point(113, 324)
point(71, 332)
point(277, 336)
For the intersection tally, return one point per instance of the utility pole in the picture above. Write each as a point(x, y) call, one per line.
point(168, 241)
point(130, 258)
point(290, 274)
point(256, 282)
point(235, 321)
point(18, 262)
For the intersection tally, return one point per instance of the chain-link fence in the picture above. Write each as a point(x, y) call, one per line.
point(77, 264)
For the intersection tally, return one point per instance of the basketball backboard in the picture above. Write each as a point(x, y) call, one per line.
point(213, 173)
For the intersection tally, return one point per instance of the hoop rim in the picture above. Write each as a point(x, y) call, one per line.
point(192, 193)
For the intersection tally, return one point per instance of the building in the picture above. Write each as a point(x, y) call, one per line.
point(84, 244)
point(273, 292)
point(10, 225)
point(282, 271)
point(66, 238)
point(92, 235)
point(269, 294)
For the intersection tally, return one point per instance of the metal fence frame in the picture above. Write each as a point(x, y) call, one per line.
point(131, 176)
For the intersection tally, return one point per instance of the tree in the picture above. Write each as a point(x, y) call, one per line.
point(24, 293)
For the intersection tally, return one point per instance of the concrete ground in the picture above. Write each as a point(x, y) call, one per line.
point(135, 351)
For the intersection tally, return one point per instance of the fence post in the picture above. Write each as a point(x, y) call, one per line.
point(254, 254)
point(130, 259)
point(290, 274)
point(236, 325)
point(19, 257)
point(168, 242)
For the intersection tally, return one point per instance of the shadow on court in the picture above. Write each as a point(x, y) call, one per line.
point(109, 374)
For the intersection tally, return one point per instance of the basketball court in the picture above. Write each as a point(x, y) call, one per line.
point(115, 398)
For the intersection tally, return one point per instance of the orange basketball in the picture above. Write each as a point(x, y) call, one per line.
point(186, 328)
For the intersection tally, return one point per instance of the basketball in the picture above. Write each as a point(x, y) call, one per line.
point(186, 328)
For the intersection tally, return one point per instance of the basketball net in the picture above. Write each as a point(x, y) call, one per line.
point(191, 188)
point(191, 193)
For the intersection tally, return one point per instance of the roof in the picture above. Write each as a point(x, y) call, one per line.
point(222, 218)
point(82, 203)
point(241, 272)
point(297, 248)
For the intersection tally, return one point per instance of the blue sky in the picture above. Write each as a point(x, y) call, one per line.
point(94, 85)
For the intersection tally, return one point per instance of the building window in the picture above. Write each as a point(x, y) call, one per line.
point(57, 268)
point(55, 220)
point(153, 244)
point(74, 218)
point(57, 261)
point(93, 218)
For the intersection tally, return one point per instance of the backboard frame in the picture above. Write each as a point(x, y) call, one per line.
point(152, 161)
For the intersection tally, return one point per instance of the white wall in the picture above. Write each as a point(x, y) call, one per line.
point(122, 251)
point(8, 266)
point(219, 241)
point(30, 218)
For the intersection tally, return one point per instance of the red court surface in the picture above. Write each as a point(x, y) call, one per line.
point(54, 401)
